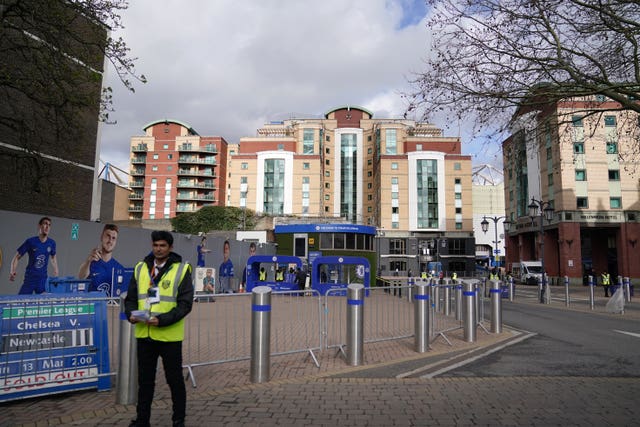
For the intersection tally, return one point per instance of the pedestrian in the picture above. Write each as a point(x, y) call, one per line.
point(225, 272)
point(263, 275)
point(202, 250)
point(247, 271)
point(606, 282)
point(160, 296)
point(301, 278)
point(40, 248)
point(100, 264)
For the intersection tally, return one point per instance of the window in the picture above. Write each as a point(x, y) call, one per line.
point(369, 173)
point(165, 146)
point(369, 186)
point(326, 197)
point(327, 150)
point(154, 168)
point(169, 168)
point(369, 209)
point(369, 162)
point(615, 202)
point(307, 141)
point(614, 175)
point(244, 165)
point(394, 180)
point(390, 136)
point(395, 225)
point(369, 150)
point(327, 185)
point(395, 210)
point(577, 121)
point(155, 156)
point(609, 120)
point(326, 138)
point(578, 147)
point(549, 153)
point(581, 175)
point(601, 98)
point(550, 179)
point(305, 179)
point(327, 162)
point(394, 195)
point(457, 166)
point(458, 210)
point(169, 156)
point(305, 165)
point(458, 196)
point(458, 181)
point(327, 173)
point(280, 147)
point(369, 197)
point(394, 166)
point(612, 147)
point(458, 226)
point(397, 247)
point(243, 180)
point(418, 147)
point(582, 202)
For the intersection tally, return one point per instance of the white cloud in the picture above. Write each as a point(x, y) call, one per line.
point(228, 67)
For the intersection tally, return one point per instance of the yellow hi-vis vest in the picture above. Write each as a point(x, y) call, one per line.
point(263, 276)
point(168, 288)
point(605, 279)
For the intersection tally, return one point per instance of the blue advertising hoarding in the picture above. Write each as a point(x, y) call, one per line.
point(52, 344)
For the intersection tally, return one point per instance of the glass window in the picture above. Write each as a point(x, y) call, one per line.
point(369, 186)
point(305, 179)
point(397, 247)
point(615, 202)
point(327, 185)
point(327, 173)
point(307, 141)
point(169, 168)
point(155, 156)
point(458, 181)
point(326, 197)
point(549, 153)
point(327, 162)
point(614, 175)
point(458, 196)
point(582, 202)
point(395, 225)
point(305, 165)
point(169, 156)
point(578, 147)
point(391, 145)
point(165, 146)
point(280, 147)
point(338, 241)
point(458, 226)
point(243, 180)
point(457, 166)
point(394, 180)
point(327, 150)
point(394, 166)
point(609, 120)
point(577, 121)
point(612, 147)
point(244, 165)
point(601, 98)
point(550, 179)
point(581, 175)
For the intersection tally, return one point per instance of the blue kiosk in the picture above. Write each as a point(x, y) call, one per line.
point(271, 265)
point(330, 273)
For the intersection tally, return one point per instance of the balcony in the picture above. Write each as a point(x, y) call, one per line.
point(194, 196)
point(208, 148)
point(197, 160)
point(139, 159)
point(139, 148)
point(137, 171)
point(196, 172)
point(135, 196)
point(207, 185)
point(186, 208)
point(137, 183)
point(135, 208)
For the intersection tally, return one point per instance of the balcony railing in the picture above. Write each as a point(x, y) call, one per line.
point(195, 184)
point(208, 148)
point(137, 183)
point(194, 196)
point(135, 208)
point(139, 159)
point(139, 148)
point(197, 160)
point(137, 171)
point(135, 196)
point(196, 172)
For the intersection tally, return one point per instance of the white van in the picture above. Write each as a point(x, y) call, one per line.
point(528, 272)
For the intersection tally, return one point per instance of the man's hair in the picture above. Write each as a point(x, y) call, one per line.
point(43, 219)
point(111, 227)
point(252, 245)
point(162, 235)
point(226, 243)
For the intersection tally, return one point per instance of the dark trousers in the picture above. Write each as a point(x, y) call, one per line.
point(171, 353)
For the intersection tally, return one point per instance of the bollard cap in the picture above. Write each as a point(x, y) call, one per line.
point(261, 290)
point(355, 286)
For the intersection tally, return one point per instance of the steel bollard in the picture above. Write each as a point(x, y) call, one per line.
point(355, 323)
point(260, 334)
point(592, 302)
point(447, 297)
point(547, 289)
point(627, 287)
point(458, 302)
point(477, 301)
point(496, 307)
point(469, 313)
point(566, 291)
point(411, 283)
point(127, 390)
point(421, 309)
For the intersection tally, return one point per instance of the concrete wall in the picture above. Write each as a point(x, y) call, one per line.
point(133, 245)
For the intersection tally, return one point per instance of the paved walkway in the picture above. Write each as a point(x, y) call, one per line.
point(382, 392)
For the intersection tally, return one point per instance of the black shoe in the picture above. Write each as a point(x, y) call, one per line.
point(136, 423)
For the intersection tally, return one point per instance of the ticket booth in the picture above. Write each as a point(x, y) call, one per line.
point(335, 273)
point(275, 269)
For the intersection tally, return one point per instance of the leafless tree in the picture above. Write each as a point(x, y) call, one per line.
point(489, 56)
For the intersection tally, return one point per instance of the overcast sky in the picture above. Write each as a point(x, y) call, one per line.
point(227, 67)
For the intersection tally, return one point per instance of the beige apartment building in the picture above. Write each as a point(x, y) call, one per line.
point(175, 170)
point(578, 159)
point(401, 176)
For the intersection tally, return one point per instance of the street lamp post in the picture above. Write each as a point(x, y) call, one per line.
point(545, 211)
point(485, 227)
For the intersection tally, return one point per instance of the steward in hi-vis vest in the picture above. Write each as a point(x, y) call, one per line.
point(160, 295)
point(606, 282)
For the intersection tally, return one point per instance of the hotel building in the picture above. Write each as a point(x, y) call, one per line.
point(403, 177)
point(580, 157)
